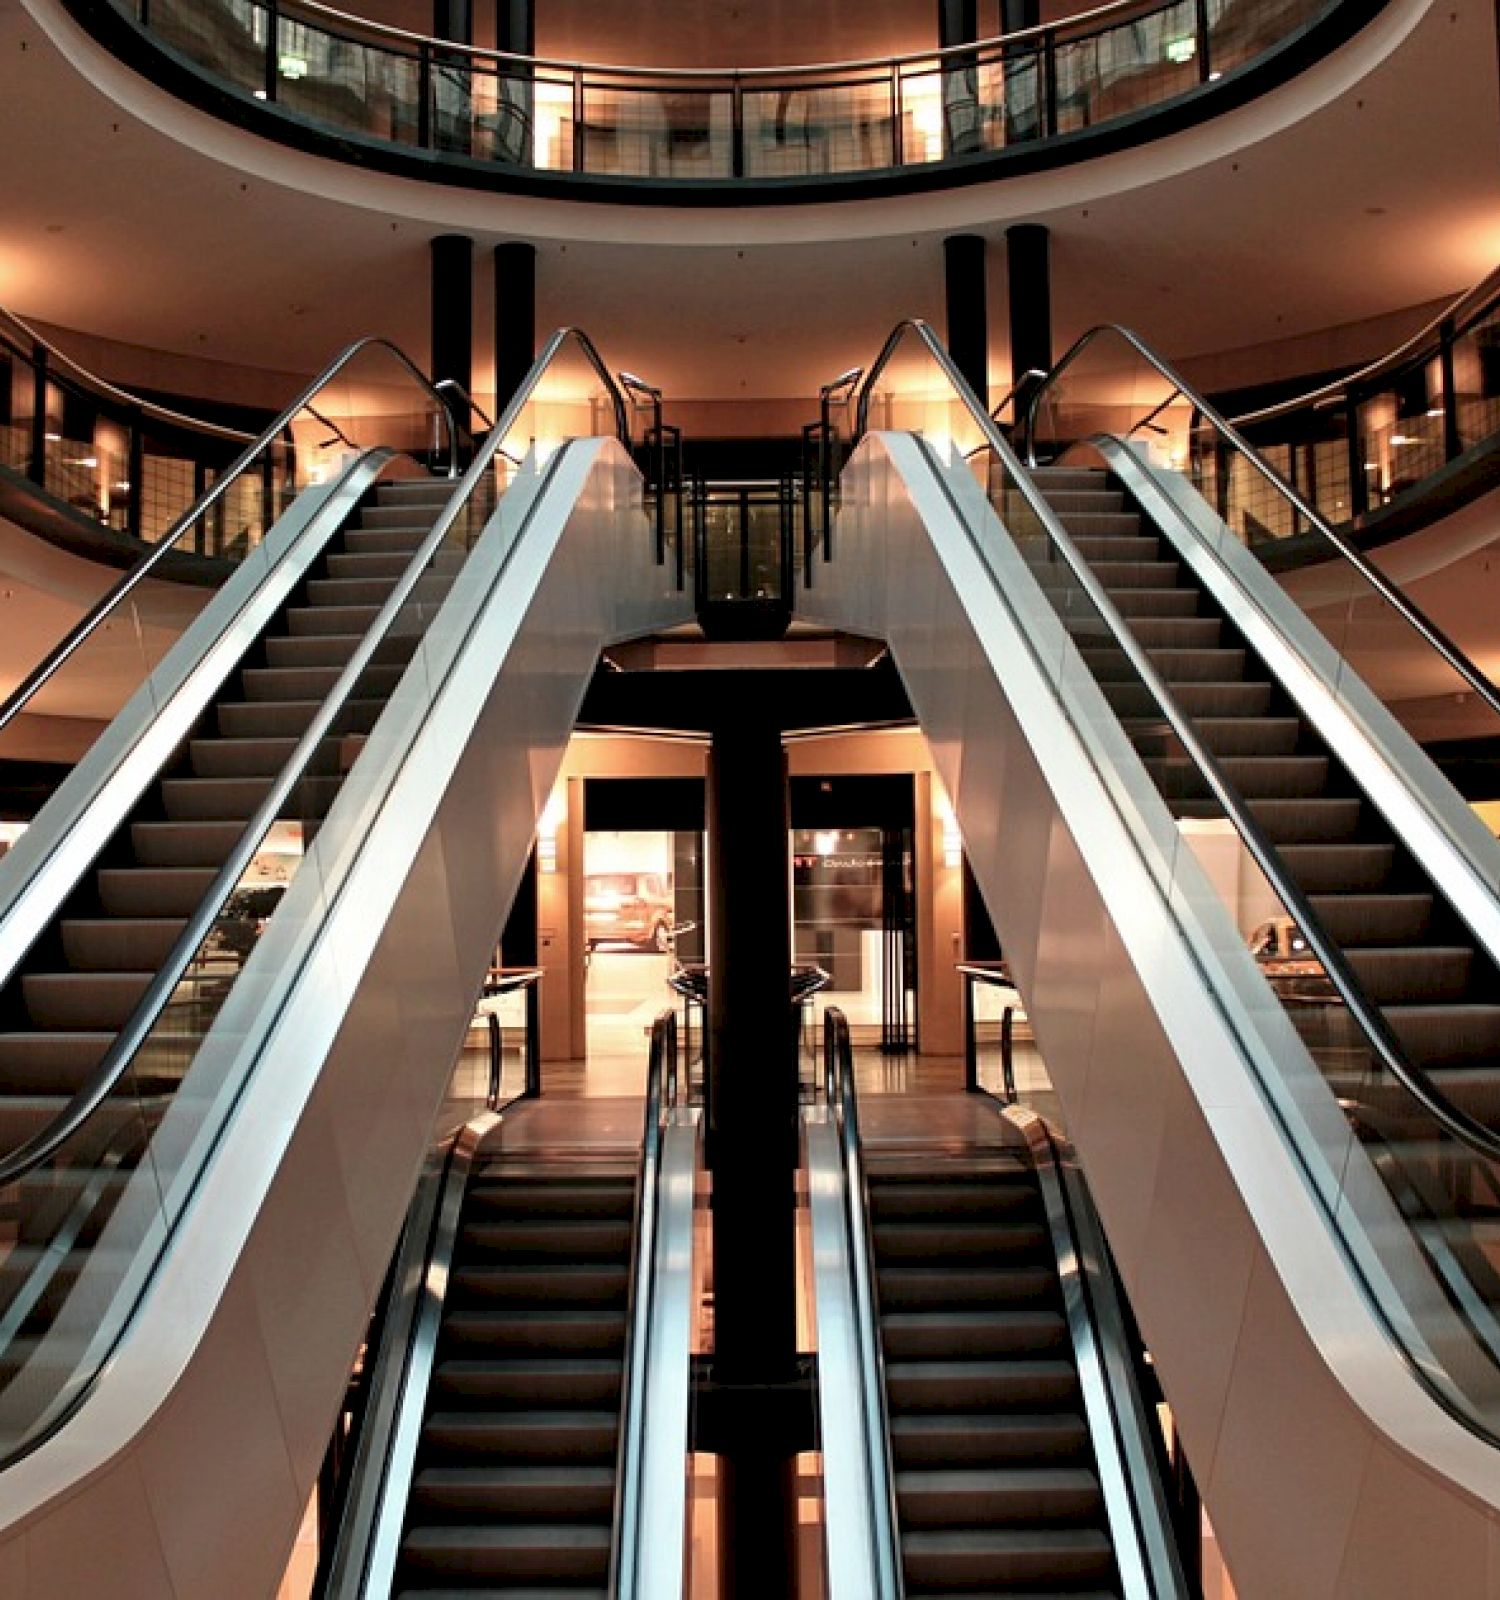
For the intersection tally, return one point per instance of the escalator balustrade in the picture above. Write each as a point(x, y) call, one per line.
point(82, 980)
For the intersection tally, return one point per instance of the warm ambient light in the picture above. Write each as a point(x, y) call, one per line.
point(825, 842)
point(1402, 438)
point(552, 818)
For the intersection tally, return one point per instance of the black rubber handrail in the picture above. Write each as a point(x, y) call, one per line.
point(123, 1048)
point(662, 1091)
point(1412, 614)
point(1387, 1048)
point(843, 1107)
point(99, 613)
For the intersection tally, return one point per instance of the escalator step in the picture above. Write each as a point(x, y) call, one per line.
point(83, 1000)
point(995, 1496)
point(1253, 776)
point(547, 1284)
point(1324, 868)
point(1178, 633)
point(240, 758)
point(1148, 602)
point(184, 844)
point(560, 1239)
point(385, 540)
point(212, 799)
point(283, 684)
point(56, 1062)
point(934, 1386)
point(1433, 975)
point(261, 718)
point(1447, 1035)
point(917, 1335)
point(549, 1493)
point(153, 892)
point(907, 1288)
point(948, 1240)
point(986, 1201)
point(108, 944)
point(568, 1553)
point(512, 1333)
point(1373, 919)
point(580, 1437)
point(958, 1439)
point(575, 1381)
point(959, 1559)
point(328, 648)
point(593, 1200)
point(399, 514)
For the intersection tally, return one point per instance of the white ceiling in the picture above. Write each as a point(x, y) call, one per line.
point(1276, 221)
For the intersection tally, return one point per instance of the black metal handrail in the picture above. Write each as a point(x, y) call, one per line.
point(116, 1061)
point(1466, 308)
point(843, 1107)
point(1175, 54)
point(1412, 614)
point(99, 613)
point(24, 340)
point(502, 981)
point(1387, 1048)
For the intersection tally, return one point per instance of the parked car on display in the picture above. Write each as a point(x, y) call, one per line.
point(628, 908)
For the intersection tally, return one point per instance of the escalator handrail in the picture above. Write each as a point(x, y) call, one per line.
point(100, 612)
point(1136, 1517)
point(1388, 1049)
point(105, 1078)
point(662, 1101)
point(843, 1106)
point(1412, 614)
point(1474, 300)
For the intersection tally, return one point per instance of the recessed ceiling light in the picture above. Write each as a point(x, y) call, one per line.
point(1375, 211)
point(56, 227)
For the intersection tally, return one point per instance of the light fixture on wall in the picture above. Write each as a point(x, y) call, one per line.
point(953, 840)
point(550, 821)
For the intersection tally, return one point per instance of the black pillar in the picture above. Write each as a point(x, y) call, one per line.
point(753, 1153)
point(452, 307)
point(1028, 259)
point(968, 309)
point(515, 317)
point(515, 27)
point(453, 19)
point(958, 22)
point(1018, 14)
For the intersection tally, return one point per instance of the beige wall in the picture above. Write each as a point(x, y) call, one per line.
point(561, 946)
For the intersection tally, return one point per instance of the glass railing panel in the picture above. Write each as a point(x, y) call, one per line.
point(1476, 379)
point(643, 130)
point(1125, 67)
point(229, 38)
point(352, 85)
point(1402, 433)
point(1241, 30)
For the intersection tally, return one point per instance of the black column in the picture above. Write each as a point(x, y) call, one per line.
point(968, 309)
point(753, 1153)
point(958, 22)
point(515, 317)
point(1028, 260)
point(1018, 14)
point(453, 19)
point(515, 27)
point(452, 307)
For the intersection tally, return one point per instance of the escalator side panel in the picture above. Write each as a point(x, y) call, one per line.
point(353, 1008)
point(1260, 1332)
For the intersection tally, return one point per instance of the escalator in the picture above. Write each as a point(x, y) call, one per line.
point(531, 1375)
point(1255, 931)
point(1007, 1447)
point(241, 958)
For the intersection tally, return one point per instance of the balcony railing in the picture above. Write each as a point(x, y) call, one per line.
point(352, 77)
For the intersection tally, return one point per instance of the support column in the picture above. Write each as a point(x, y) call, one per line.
point(515, 27)
point(958, 23)
point(753, 1154)
point(1026, 78)
point(968, 309)
point(453, 19)
point(515, 318)
point(1029, 263)
point(452, 307)
point(1018, 14)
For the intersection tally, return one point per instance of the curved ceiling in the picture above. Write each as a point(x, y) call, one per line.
point(1366, 185)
